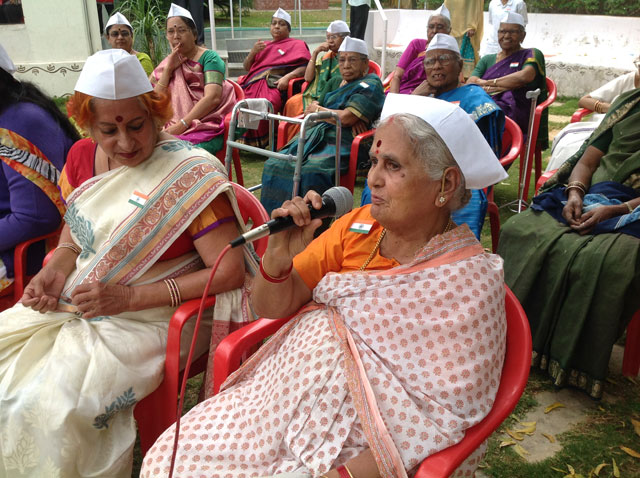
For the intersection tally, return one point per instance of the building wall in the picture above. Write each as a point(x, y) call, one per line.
point(50, 48)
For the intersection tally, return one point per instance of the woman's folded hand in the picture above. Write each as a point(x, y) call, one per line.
point(96, 299)
point(572, 211)
point(43, 291)
point(590, 219)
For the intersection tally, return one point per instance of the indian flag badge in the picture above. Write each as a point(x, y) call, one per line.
point(361, 227)
point(138, 199)
point(514, 65)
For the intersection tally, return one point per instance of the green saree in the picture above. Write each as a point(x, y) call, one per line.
point(579, 292)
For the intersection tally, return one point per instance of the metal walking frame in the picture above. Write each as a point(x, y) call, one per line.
point(242, 106)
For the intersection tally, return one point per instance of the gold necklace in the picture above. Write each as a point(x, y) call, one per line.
point(375, 249)
point(450, 225)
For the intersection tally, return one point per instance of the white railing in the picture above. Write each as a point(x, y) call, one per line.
point(383, 15)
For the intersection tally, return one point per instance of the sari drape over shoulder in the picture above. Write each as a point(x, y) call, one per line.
point(514, 103)
point(580, 291)
point(187, 88)
point(278, 58)
point(411, 62)
point(382, 360)
point(364, 98)
point(68, 385)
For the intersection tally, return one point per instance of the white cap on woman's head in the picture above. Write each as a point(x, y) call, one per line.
point(117, 19)
point(512, 17)
point(282, 14)
point(459, 132)
point(354, 45)
point(178, 11)
point(113, 75)
point(442, 41)
point(338, 26)
point(442, 11)
point(5, 62)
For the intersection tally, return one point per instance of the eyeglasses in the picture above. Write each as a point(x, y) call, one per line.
point(439, 27)
point(349, 59)
point(509, 32)
point(179, 31)
point(332, 37)
point(122, 33)
point(444, 60)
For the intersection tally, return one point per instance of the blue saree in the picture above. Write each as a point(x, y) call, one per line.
point(364, 98)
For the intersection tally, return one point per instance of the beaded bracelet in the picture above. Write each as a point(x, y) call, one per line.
point(275, 280)
point(174, 292)
point(70, 245)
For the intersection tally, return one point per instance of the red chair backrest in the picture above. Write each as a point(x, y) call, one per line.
point(515, 372)
point(553, 93)
point(252, 209)
point(387, 81)
point(238, 89)
point(375, 68)
point(512, 142)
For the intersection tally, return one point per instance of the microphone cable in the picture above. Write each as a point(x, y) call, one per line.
point(185, 375)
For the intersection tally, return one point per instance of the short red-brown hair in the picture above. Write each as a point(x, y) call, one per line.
point(80, 106)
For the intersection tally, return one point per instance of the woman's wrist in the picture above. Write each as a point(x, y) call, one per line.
point(274, 270)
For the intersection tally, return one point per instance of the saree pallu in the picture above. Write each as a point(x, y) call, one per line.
point(187, 88)
point(412, 65)
point(514, 103)
point(277, 58)
point(363, 97)
point(580, 291)
point(400, 361)
point(68, 385)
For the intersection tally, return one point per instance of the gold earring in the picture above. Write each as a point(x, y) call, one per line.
point(442, 200)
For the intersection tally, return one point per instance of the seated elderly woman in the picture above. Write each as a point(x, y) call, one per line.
point(573, 258)
point(320, 69)
point(409, 72)
point(270, 66)
point(443, 65)
point(194, 76)
point(88, 340)
point(357, 98)
point(119, 34)
point(390, 299)
point(571, 137)
point(34, 140)
point(508, 75)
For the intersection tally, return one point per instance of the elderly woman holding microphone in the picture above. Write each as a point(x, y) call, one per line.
point(398, 337)
point(142, 230)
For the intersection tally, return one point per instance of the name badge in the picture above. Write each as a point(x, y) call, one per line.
point(280, 51)
point(138, 199)
point(364, 85)
point(514, 65)
point(361, 227)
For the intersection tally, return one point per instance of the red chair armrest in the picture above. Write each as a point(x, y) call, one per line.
point(230, 351)
point(283, 127)
point(349, 180)
point(20, 260)
point(579, 114)
point(543, 179)
point(292, 83)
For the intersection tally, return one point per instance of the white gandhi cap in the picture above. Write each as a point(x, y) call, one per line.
point(354, 45)
point(338, 26)
point(178, 11)
point(117, 19)
point(282, 14)
point(468, 147)
point(512, 17)
point(442, 11)
point(5, 62)
point(442, 41)
point(113, 75)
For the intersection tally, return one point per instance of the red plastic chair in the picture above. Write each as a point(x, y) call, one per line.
point(237, 165)
point(631, 357)
point(515, 372)
point(156, 412)
point(579, 114)
point(387, 81)
point(536, 152)
point(512, 143)
point(12, 294)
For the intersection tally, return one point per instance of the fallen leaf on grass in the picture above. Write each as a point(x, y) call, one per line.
point(557, 469)
point(631, 452)
point(601, 408)
point(549, 437)
point(553, 407)
point(616, 471)
point(507, 443)
point(520, 451)
point(514, 435)
point(636, 426)
point(571, 470)
point(599, 468)
point(529, 428)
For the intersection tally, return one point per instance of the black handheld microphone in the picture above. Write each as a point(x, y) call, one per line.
point(335, 202)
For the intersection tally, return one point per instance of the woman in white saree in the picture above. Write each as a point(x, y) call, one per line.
point(399, 344)
point(142, 230)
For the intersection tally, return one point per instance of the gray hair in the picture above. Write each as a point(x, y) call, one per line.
point(432, 152)
point(447, 22)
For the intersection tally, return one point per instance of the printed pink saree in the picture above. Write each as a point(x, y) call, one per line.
point(400, 362)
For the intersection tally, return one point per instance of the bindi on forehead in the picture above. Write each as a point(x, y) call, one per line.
point(119, 119)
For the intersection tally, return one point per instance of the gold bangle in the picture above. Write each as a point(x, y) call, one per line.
point(70, 245)
point(495, 82)
point(631, 209)
point(184, 123)
point(578, 184)
point(162, 84)
point(174, 292)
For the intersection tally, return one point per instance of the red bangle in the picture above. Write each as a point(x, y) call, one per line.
point(275, 280)
point(344, 472)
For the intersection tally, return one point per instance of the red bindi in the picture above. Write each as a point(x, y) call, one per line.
point(119, 119)
point(377, 151)
point(379, 143)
